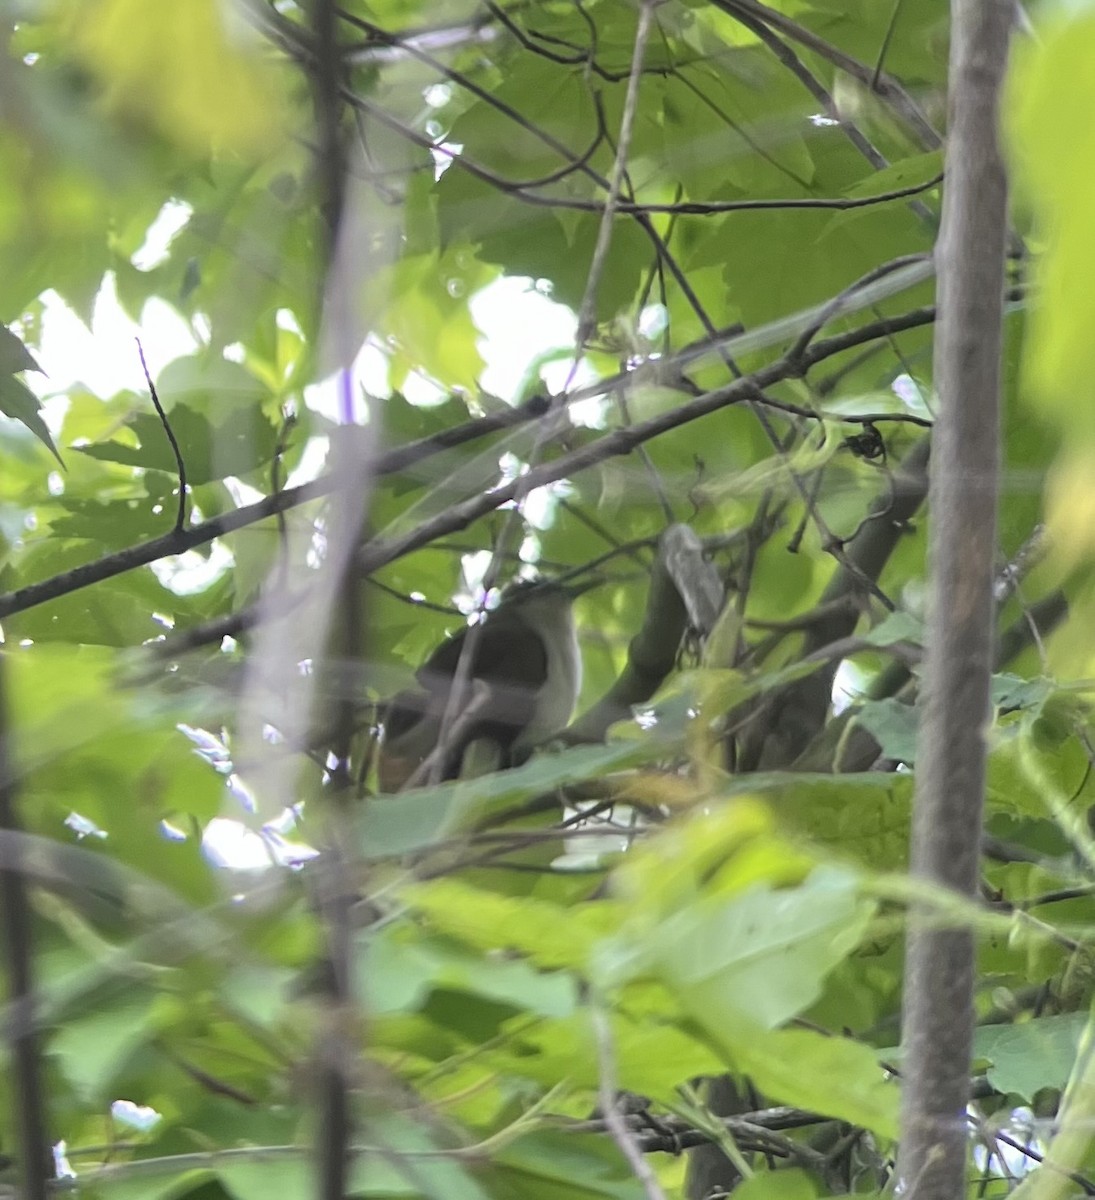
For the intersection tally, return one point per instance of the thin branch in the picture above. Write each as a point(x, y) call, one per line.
point(1033, 625)
point(571, 162)
point(281, 569)
point(180, 518)
point(619, 442)
point(613, 1118)
point(781, 1117)
point(376, 554)
point(179, 541)
point(837, 305)
point(882, 85)
point(463, 162)
point(679, 276)
point(705, 208)
point(524, 189)
point(883, 50)
point(588, 307)
point(811, 83)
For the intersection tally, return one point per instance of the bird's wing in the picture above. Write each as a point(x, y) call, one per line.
point(507, 650)
point(509, 669)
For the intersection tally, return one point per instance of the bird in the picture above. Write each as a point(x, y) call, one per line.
point(526, 672)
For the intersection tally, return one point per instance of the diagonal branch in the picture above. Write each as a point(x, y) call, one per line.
point(379, 553)
point(179, 541)
point(879, 82)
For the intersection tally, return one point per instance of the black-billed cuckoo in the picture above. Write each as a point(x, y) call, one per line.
point(526, 671)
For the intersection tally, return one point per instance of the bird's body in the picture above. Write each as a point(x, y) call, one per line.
point(524, 681)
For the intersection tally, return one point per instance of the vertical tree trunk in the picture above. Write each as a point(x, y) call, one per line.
point(938, 1024)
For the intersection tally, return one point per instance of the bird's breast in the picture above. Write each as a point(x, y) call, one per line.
point(563, 678)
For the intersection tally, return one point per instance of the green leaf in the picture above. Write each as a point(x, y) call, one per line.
point(905, 172)
point(92, 1049)
point(831, 1075)
point(653, 1055)
point(759, 957)
point(893, 725)
point(163, 1185)
point(791, 1184)
point(1026, 1056)
point(239, 444)
point(412, 1161)
point(549, 934)
point(1056, 755)
point(110, 614)
point(558, 1166)
point(1012, 692)
point(896, 627)
point(181, 70)
point(1048, 95)
point(864, 815)
point(719, 852)
point(14, 356)
point(255, 1179)
point(399, 824)
point(113, 524)
point(398, 972)
point(21, 404)
point(62, 697)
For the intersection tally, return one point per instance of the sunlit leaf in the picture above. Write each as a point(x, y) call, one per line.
point(186, 69)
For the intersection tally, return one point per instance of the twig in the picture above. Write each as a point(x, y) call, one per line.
point(288, 422)
point(812, 84)
point(180, 518)
point(836, 306)
point(1028, 556)
point(524, 190)
point(587, 309)
point(882, 84)
point(887, 38)
point(476, 698)
point(609, 1102)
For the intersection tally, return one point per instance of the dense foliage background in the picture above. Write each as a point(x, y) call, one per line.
point(465, 289)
